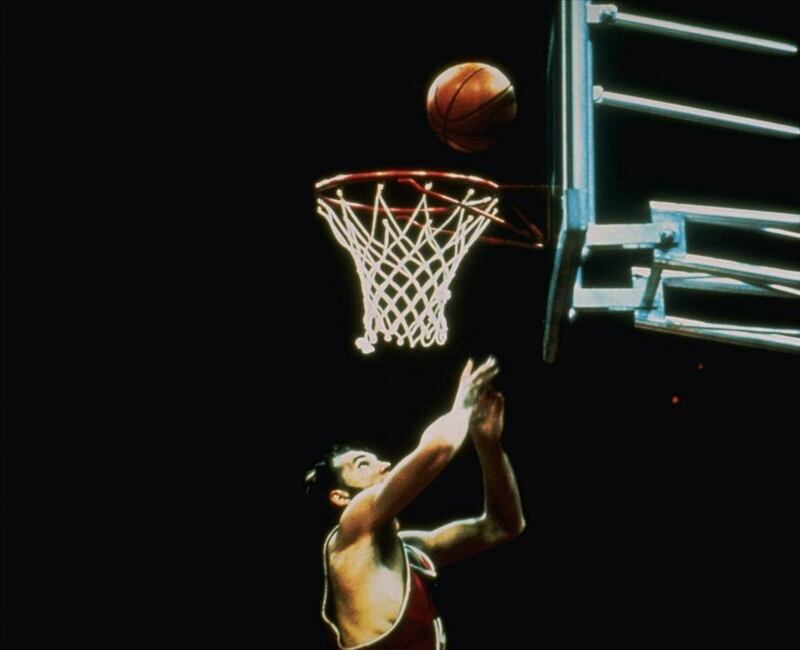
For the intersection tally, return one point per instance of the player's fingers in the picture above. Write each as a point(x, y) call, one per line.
point(486, 375)
point(467, 370)
point(490, 361)
point(487, 366)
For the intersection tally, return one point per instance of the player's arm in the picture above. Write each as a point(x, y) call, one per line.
point(502, 519)
point(375, 506)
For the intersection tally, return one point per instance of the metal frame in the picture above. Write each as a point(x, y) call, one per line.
point(574, 199)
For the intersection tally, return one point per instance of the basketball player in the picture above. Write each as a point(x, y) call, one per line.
point(375, 594)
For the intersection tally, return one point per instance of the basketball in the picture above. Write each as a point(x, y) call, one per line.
point(468, 103)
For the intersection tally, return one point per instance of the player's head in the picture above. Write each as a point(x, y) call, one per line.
point(342, 473)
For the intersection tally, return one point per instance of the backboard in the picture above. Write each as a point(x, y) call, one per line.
point(571, 170)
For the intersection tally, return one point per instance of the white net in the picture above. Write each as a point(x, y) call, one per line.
point(406, 260)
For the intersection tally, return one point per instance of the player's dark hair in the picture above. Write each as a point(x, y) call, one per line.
point(323, 476)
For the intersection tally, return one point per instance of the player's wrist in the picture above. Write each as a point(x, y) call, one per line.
point(490, 444)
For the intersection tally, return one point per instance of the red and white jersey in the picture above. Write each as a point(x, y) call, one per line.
point(418, 626)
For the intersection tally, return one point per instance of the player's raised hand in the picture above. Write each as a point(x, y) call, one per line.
point(472, 381)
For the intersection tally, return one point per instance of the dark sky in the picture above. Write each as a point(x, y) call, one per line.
point(180, 326)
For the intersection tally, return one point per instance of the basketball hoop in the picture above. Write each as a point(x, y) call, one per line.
point(407, 241)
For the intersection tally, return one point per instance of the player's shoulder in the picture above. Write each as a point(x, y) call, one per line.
point(356, 521)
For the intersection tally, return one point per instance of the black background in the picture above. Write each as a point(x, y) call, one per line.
point(179, 331)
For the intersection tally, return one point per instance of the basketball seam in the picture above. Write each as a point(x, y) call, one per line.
point(435, 117)
point(488, 102)
point(438, 107)
point(458, 140)
point(453, 99)
point(436, 104)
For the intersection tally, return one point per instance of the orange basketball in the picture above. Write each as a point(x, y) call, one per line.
point(468, 103)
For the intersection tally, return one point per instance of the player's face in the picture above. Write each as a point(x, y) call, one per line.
point(361, 469)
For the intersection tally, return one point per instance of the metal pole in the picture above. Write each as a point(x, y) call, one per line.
point(691, 32)
point(693, 114)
